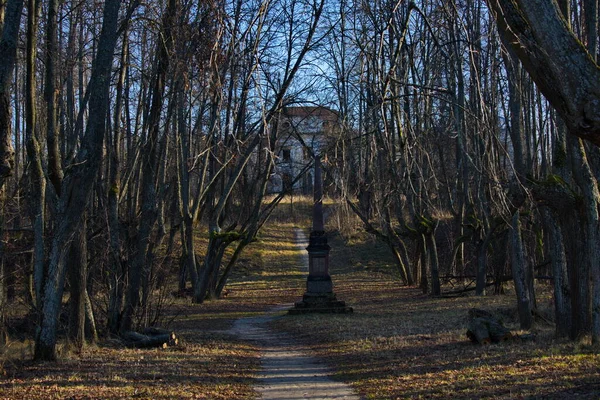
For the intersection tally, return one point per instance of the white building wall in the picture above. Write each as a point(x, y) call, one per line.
point(311, 129)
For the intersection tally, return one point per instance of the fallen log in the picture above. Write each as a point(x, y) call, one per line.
point(154, 331)
point(484, 328)
point(151, 338)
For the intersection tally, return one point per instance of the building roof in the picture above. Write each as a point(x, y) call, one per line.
point(323, 113)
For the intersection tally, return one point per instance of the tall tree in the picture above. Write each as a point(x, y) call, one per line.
point(8, 55)
point(150, 163)
point(78, 183)
point(566, 73)
point(55, 171)
point(34, 152)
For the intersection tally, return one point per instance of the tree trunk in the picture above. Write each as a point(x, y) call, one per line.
point(482, 261)
point(562, 292)
point(573, 242)
point(117, 270)
point(186, 208)
point(422, 260)
point(8, 55)
point(190, 266)
point(91, 333)
point(77, 265)
point(458, 94)
point(3, 276)
point(234, 258)
point(135, 272)
point(401, 255)
point(589, 271)
point(215, 245)
point(78, 184)
point(557, 61)
point(591, 25)
point(55, 172)
point(433, 263)
point(17, 134)
point(520, 274)
point(38, 180)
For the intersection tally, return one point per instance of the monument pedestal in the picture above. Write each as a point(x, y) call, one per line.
point(319, 296)
point(320, 303)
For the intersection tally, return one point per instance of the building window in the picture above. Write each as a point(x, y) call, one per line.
point(287, 154)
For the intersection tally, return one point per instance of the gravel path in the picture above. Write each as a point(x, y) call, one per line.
point(287, 371)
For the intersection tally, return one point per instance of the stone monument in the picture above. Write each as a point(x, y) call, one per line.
point(319, 296)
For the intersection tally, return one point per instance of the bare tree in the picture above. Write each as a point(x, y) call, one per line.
point(34, 152)
point(150, 163)
point(568, 76)
point(8, 54)
point(77, 184)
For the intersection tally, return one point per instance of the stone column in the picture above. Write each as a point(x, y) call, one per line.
point(319, 296)
point(319, 281)
point(318, 222)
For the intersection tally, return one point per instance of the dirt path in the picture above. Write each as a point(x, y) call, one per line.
point(287, 371)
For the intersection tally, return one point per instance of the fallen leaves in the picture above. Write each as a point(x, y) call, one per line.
point(398, 344)
point(401, 344)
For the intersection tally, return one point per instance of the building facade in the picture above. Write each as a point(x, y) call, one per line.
point(303, 132)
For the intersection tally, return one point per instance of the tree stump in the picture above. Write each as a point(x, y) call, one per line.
point(484, 328)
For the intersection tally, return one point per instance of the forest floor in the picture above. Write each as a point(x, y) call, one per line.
point(398, 343)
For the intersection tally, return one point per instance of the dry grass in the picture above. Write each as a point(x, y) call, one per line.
point(210, 363)
point(206, 366)
point(399, 343)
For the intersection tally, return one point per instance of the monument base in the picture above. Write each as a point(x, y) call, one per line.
point(319, 284)
point(319, 302)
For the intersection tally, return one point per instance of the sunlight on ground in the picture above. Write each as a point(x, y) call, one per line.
point(398, 343)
